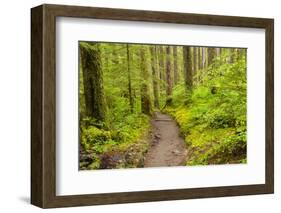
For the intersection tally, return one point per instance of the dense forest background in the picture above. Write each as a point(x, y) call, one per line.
point(123, 85)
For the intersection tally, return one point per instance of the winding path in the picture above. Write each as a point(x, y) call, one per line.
point(167, 147)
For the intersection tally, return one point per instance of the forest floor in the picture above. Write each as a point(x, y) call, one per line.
point(167, 147)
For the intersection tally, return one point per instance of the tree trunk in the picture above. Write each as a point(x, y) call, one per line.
point(93, 81)
point(240, 53)
point(197, 59)
point(232, 55)
point(187, 67)
point(155, 75)
point(204, 61)
point(168, 72)
point(145, 99)
point(131, 100)
point(218, 52)
point(194, 60)
point(161, 66)
point(176, 74)
point(115, 56)
point(211, 55)
point(200, 58)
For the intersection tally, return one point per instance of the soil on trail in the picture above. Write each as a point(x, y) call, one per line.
point(167, 148)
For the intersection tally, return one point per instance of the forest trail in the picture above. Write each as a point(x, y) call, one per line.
point(167, 147)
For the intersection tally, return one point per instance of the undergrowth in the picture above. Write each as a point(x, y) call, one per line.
point(108, 147)
point(212, 117)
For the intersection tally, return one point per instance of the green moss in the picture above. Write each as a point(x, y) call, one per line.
point(127, 135)
point(93, 135)
point(95, 164)
point(212, 117)
point(201, 137)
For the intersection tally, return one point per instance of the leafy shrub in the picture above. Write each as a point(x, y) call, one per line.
point(93, 135)
point(212, 118)
point(106, 144)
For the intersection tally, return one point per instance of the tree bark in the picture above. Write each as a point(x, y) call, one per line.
point(145, 98)
point(218, 52)
point(131, 100)
point(200, 62)
point(232, 55)
point(176, 74)
point(93, 81)
point(187, 67)
point(168, 72)
point(197, 59)
point(155, 75)
point(115, 56)
point(204, 61)
point(240, 53)
point(211, 55)
point(161, 67)
point(194, 60)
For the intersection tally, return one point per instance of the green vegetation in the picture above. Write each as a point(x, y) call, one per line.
point(212, 117)
point(114, 142)
point(105, 140)
point(122, 85)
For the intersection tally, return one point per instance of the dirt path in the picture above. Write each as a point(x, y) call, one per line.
point(167, 147)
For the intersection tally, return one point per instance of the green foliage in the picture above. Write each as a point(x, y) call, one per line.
point(211, 111)
point(213, 117)
point(122, 135)
point(92, 137)
point(106, 142)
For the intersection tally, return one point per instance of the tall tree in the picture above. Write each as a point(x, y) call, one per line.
point(145, 98)
point(200, 56)
point(176, 74)
point(93, 81)
point(197, 58)
point(226, 52)
point(204, 58)
point(131, 100)
point(240, 53)
point(233, 55)
point(161, 57)
point(168, 72)
point(218, 51)
point(115, 56)
point(211, 55)
point(194, 60)
point(187, 58)
point(155, 75)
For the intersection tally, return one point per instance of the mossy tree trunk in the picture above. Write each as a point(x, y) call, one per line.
point(145, 98)
point(176, 74)
point(115, 56)
point(168, 73)
point(218, 52)
point(211, 55)
point(155, 75)
point(194, 60)
point(131, 99)
point(241, 53)
point(200, 56)
point(204, 57)
point(93, 81)
point(187, 58)
point(197, 55)
point(233, 55)
point(161, 57)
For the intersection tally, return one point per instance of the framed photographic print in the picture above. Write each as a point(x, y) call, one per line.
point(136, 106)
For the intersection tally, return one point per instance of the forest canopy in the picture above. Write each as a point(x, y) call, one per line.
point(125, 90)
